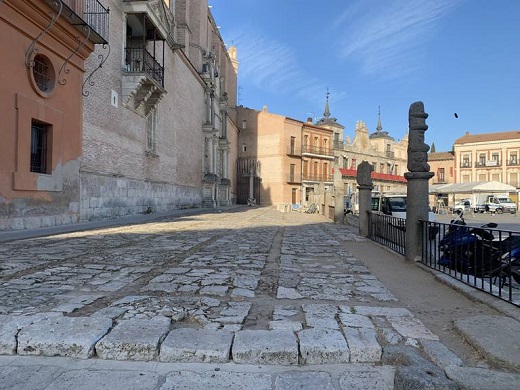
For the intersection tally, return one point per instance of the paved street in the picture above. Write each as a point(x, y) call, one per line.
point(248, 298)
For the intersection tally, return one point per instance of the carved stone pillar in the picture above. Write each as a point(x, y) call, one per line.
point(419, 174)
point(365, 187)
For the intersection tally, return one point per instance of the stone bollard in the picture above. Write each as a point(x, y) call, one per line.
point(365, 188)
point(417, 207)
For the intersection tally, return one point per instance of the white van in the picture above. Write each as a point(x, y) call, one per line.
point(394, 205)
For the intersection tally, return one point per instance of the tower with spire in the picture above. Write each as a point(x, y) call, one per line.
point(331, 123)
point(379, 133)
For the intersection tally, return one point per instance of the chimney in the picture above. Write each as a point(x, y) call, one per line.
point(309, 120)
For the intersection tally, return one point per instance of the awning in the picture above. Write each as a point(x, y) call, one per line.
point(479, 186)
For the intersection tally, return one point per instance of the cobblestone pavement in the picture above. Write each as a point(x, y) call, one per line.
point(207, 300)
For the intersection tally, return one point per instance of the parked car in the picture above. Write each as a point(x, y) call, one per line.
point(463, 205)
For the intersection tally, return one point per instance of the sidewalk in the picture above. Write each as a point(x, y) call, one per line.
point(247, 298)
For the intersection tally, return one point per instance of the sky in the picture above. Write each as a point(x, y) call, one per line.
point(456, 56)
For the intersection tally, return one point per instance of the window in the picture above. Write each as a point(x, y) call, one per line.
point(513, 159)
point(151, 126)
point(354, 166)
point(316, 144)
point(39, 147)
point(305, 140)
point(466, 179)
point(482, 177)
point(293, 195)
point(482, 159)
point(305, 167)
point(291, 173)
point(440, 175)
point(293, 143)
point(43, 74)
point(465, 160)
point(495, 176)
point(345, 162)
point(326, 171)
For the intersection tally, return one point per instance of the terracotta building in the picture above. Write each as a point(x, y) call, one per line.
point(159, 130)
point(145, 124)
point(488, 157)
point(41, 81)
point(442, 164)
point(269, 164)
point(284, 161)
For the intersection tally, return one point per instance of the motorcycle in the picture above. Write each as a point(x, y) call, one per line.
point(471, 250)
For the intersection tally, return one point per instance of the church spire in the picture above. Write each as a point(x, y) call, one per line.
point(326, 114)
point(379, 128)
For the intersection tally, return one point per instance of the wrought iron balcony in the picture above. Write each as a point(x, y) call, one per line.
point(89, 13)
point(317, 150)
point(488, 164)
point(317, 178)
point(294, 151)
point(512, 163)
point(294, 179)
point(465, 164)
point(139, 61)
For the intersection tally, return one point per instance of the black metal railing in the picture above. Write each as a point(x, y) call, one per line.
point(93, 13)
point(139, 60)
point(317, 150)
point(387, 230)
point(294, 178)
point(490, 163)
point(316, 177)
point(488, 264)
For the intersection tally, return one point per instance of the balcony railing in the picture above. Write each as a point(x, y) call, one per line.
point(139, 60)
point(88, 12)
point(465, 164)
point(317, 150)
point(512, 163)
point(294, 179)
point(315, 177)
point(489, 163)
point(390, 154)
point(293, 151)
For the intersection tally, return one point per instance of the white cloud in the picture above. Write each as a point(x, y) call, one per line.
point(387, 37)
point(274, 67)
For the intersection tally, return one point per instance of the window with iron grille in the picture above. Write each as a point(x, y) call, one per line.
point(151, 125)
point(43, 73)
point(39, 147)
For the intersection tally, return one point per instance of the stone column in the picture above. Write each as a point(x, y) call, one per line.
point(338, 195)
point(419, 174)
point(365, 187)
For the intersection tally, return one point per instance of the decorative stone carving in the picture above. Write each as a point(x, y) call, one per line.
point(417, 148)
point(363, 174)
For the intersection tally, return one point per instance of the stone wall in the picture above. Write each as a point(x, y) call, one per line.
point(104, 197)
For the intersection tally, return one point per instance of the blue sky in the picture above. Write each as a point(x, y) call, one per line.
point(457, 56)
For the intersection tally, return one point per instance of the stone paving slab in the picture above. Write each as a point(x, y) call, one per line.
point(472, 378)
point(196, 346)
point(32, 377)
point(318, 346)
point(363, 344)
point(134, 340)
point(105, 380)
point(304, 380)
point(63, 336)
point(217, 380)
point(265, 347)
point(500, 331)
